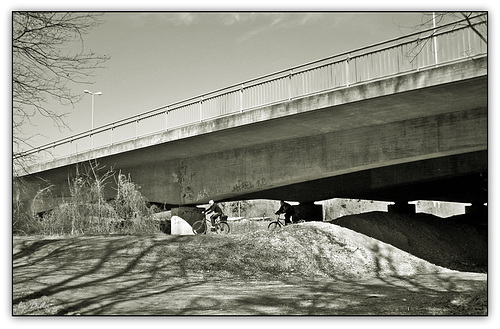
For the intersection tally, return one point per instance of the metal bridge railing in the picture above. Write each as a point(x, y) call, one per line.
point(417, 51)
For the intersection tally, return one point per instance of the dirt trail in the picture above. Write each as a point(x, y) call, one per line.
point(124, 275)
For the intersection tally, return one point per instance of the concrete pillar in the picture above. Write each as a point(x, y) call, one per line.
point(402, 207)
point(183, 219)
point(308, 212)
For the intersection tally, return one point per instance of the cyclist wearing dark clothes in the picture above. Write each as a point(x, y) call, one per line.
point(215, 208)
point(286, 209)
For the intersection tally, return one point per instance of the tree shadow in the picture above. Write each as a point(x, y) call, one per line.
point(124, 275)
point(92, 273)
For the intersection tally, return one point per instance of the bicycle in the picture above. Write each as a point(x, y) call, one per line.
point(220, 227)
point(279, 224)
point(276, 224)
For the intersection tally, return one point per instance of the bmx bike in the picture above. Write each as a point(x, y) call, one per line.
point(278, 223)
point(220, 227)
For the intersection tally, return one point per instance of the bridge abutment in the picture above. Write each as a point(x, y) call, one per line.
point(187, 216)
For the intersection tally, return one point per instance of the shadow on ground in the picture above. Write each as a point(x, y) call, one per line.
point(124, 275)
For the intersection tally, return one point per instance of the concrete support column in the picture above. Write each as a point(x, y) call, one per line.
point(183, 219)
point(308, 212)
point(402, 207)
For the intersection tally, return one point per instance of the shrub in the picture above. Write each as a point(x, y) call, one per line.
point(24, 220)
point(79, 218)
point(129, 202)
point(87, 211)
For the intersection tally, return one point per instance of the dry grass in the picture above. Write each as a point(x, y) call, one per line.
point(245, 226)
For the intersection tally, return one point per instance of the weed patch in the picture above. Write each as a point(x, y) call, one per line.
point(89, 210)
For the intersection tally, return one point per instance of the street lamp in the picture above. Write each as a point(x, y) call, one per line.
point(92, 131)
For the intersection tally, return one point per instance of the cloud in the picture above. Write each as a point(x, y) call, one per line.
point(253, 23)
point(141, 20)
point(237, 18)
point(182, 18)
point(263, 19)
point(287, 20)
point(230, 19)
point(270, 21)
point(191, 18)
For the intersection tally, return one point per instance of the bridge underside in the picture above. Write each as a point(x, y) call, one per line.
point(402, 161)
point(459, 178)
point(421, 136)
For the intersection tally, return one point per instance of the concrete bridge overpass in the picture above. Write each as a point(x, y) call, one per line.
point(417, 133)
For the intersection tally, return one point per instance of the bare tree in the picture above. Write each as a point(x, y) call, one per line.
point(433, 23)
point(469, 19)
point(45, 62)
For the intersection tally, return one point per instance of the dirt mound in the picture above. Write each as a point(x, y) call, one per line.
point(310, 250)
point(451, 242)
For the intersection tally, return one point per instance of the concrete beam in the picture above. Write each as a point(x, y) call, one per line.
point(451, 178)
point(249, 170)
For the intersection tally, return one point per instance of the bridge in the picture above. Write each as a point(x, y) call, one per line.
point(400, 120)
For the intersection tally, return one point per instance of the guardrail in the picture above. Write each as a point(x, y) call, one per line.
point(425, 49)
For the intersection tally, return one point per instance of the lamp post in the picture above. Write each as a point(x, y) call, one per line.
point(92, 130)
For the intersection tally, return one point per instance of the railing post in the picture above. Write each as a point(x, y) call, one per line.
point(347, 70)
point(166, 118)
point(241, 98)
point(201, 108)
point(136, 125)
point(417, 56)
point(290, 84)
point(112, 128)
point(76, 148)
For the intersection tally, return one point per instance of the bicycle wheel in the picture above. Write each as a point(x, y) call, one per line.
point(274, 226)
point(223, 228)
point(200, 227)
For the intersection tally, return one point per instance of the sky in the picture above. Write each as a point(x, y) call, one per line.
point(157, 58)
